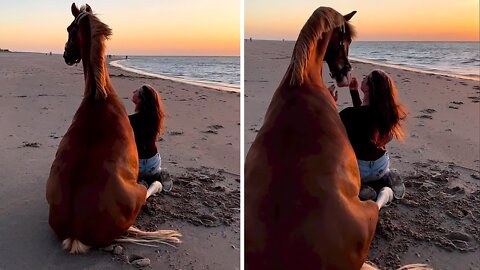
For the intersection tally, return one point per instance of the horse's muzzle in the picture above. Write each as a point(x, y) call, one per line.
point(340, 75)
point(71, 58)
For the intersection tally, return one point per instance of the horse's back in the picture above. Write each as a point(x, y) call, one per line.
point(302, 208)
point(92, 189)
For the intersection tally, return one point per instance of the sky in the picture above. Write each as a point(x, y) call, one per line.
point(140, 27)
point(387, 20)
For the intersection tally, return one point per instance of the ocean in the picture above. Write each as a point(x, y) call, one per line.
point(219, 72)
point(457, 59)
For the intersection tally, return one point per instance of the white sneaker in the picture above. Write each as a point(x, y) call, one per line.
point(154, 188)
point(384, 197)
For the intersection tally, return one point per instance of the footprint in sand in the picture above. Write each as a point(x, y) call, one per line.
point(461, 241)
point(215, 127)
point(429, 111)
point(454, 190)
point(424, 116)
point(175, 133)
point(455, 105)
point(413, 184)
point(31, 144)
point(457, 213)
point(475, 99)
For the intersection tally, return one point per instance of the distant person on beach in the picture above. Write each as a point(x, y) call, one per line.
point(371, 124)
point(147, 123)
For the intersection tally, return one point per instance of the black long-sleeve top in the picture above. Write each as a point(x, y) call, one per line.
point(360, 129)
point(146, 146)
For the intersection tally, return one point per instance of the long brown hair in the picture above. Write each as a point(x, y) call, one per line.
point(387, 111)
point(152, 111)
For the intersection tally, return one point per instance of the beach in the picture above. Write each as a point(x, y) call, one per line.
point(438, 221)
point(39, 95)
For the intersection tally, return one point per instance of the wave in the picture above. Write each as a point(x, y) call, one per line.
point(476, 62)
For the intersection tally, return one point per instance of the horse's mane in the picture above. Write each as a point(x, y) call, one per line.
point(323, 19)
point(99, 32)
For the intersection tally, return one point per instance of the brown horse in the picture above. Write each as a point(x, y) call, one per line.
point(301, 176)
point(302, 182)
point(92, 189)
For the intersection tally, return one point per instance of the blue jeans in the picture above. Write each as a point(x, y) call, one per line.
point(374, 170)
point(150, 166)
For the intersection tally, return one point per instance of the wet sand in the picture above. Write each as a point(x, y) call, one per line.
point(39, 95)
point(438, 221)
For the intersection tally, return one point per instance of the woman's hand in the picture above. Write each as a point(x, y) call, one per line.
point(353, 84)
point(333, 92)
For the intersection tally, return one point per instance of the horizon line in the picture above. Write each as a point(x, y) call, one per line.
point(6, 50)
point(262, 39)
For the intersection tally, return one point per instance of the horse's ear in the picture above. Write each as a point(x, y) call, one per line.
point(88, 9)
point(349, 15)
point(75, 10)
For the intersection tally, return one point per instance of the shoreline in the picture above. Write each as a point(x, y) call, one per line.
point(211, 85)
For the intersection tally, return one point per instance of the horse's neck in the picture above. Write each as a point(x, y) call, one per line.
point(312, 78)
point(314, 70)
point(97, 80)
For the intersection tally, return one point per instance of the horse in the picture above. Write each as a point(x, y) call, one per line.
point(92, 189)
point(302, 181)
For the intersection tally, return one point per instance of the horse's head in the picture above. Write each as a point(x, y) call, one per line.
point(80, 24)
point(326, 36)
point(337, 52)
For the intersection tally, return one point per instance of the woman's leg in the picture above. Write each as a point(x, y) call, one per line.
point(156, 173)
point(371, 175)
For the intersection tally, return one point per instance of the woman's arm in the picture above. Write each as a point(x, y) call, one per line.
point(354, 93)
point(332, 91)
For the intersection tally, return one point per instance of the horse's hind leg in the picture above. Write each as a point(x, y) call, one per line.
point(155, 187)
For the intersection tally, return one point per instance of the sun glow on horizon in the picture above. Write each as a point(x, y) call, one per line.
point(145, 28)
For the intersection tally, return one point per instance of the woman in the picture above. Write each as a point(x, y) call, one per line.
point(147, 124)
point(371, 124)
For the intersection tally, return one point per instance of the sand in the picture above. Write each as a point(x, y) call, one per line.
point(38, 96)
point(438, 222)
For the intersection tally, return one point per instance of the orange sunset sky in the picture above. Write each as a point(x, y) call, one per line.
point(141, 27)
point(212, 27)
point(388, 20)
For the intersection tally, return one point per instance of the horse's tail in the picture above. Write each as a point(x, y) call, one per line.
point(417, 266)
point(151, 239)
point(74, 246)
